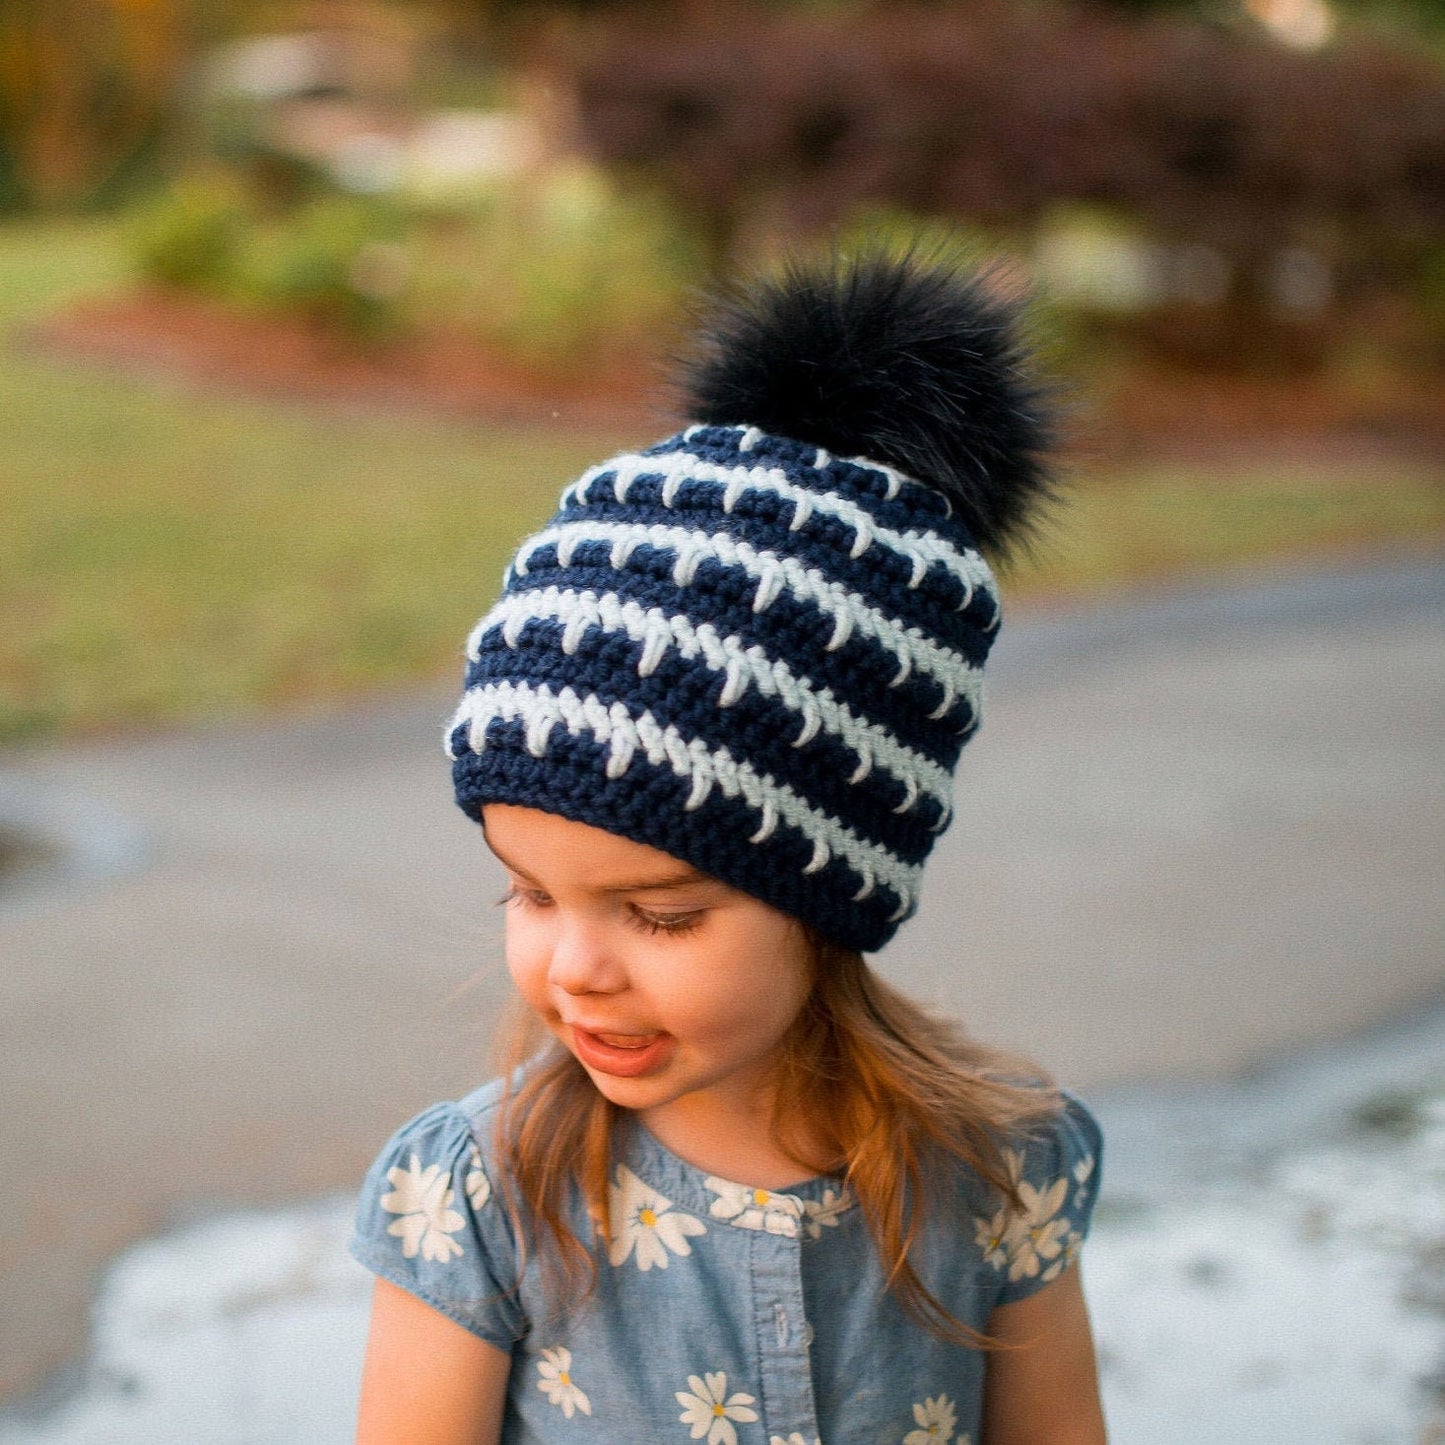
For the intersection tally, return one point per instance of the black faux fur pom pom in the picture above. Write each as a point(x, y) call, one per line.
point(907, 360)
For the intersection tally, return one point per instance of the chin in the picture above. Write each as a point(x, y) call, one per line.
point(635, 1094)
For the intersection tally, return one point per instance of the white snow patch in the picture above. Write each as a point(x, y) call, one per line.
point(1303, 1307)
point(245, 1330)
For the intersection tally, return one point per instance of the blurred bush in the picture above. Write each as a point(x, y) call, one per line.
point(1286, 184)
point(553, 271)
point(191, 233)
point(562, 269)
point(1431, 298)
point(338, 261)
point(1183, 184)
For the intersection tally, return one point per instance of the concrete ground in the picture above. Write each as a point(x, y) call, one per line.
point(1193, 833)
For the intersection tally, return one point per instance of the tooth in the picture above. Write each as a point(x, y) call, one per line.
point(627, 1041)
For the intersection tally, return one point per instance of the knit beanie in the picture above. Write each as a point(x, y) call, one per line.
point(758, 645)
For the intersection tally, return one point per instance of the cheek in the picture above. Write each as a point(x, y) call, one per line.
point(753, 1003)
point(763, 1021)
point(527, 962)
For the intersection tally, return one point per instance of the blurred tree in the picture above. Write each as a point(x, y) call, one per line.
point(1410, 20)
point(86, 90)
point(1420, 17)
point(1211, 138)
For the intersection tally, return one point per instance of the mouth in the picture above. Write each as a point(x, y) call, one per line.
point(620, 1055)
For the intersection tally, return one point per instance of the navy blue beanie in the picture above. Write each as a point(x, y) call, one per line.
point(759, 644)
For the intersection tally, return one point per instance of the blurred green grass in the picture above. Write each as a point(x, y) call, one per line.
point(170, 553)
point(1187, 520)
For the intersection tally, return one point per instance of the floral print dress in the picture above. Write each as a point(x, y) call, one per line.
point(722, 1312)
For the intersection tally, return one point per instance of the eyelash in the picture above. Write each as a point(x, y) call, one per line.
point(517, 897)
point(682, 923)
point(643, 922)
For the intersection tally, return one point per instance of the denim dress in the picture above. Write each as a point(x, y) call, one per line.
point(722, 1312)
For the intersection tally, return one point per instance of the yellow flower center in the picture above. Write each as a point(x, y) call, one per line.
point(565, 1378)
point(760, 1196)
point(648, 1218)
point(718, 1411)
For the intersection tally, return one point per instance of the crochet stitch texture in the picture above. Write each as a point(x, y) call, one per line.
point(755, 656)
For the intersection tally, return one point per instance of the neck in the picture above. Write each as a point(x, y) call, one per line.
point(739, 1147)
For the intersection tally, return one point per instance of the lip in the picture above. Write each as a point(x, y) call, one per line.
point(614, 1059)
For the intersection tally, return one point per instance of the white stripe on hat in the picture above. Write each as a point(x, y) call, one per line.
point(921, 549)
point(743, 666)
point(911, 647)
point(542, 710)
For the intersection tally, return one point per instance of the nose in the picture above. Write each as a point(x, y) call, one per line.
point(584, 960)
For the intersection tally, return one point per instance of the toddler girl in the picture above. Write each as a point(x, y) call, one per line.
point(733, 1186)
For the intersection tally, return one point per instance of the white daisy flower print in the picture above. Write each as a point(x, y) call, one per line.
point(646, 1222)
point(796, 1438)
point(1013, 1163)
point(1072, 1245)
point(710, 1410)
point(994, 1236)
point(478, 1186)
point(1083, 1172)
point(423, 1199)
point(557, 1384)
point(824, 1213)
point(935, 1419)
point(755, 1208)
point(1038, 1235)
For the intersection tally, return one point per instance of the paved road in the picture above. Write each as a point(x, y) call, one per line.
point(1192, 833)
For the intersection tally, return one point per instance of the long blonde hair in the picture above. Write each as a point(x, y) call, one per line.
point(890, 1084)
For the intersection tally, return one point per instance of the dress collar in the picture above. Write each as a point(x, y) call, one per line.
point(805, 1211)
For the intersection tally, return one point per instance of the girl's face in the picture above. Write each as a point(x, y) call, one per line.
point(673, 990)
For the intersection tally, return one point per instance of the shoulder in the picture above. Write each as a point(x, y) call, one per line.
point(446, 1138)
point(1061, 1135)
point(1067, 1136)
point(1055, 1167)
point(479, 1108)
point(428, 1218)
point(449, 1127)
point(434, 1165)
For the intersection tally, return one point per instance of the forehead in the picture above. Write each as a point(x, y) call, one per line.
point(551, 848)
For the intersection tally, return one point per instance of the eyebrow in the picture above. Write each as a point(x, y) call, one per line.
point(655, 883)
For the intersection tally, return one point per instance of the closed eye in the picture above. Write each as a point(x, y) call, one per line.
point(670, 923)
point(674, 924)
point(531, 897)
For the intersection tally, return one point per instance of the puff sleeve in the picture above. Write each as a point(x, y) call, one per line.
point(428, 1222)
point(1057, 1169)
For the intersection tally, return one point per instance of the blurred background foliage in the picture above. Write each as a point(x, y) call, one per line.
point(477, 224)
